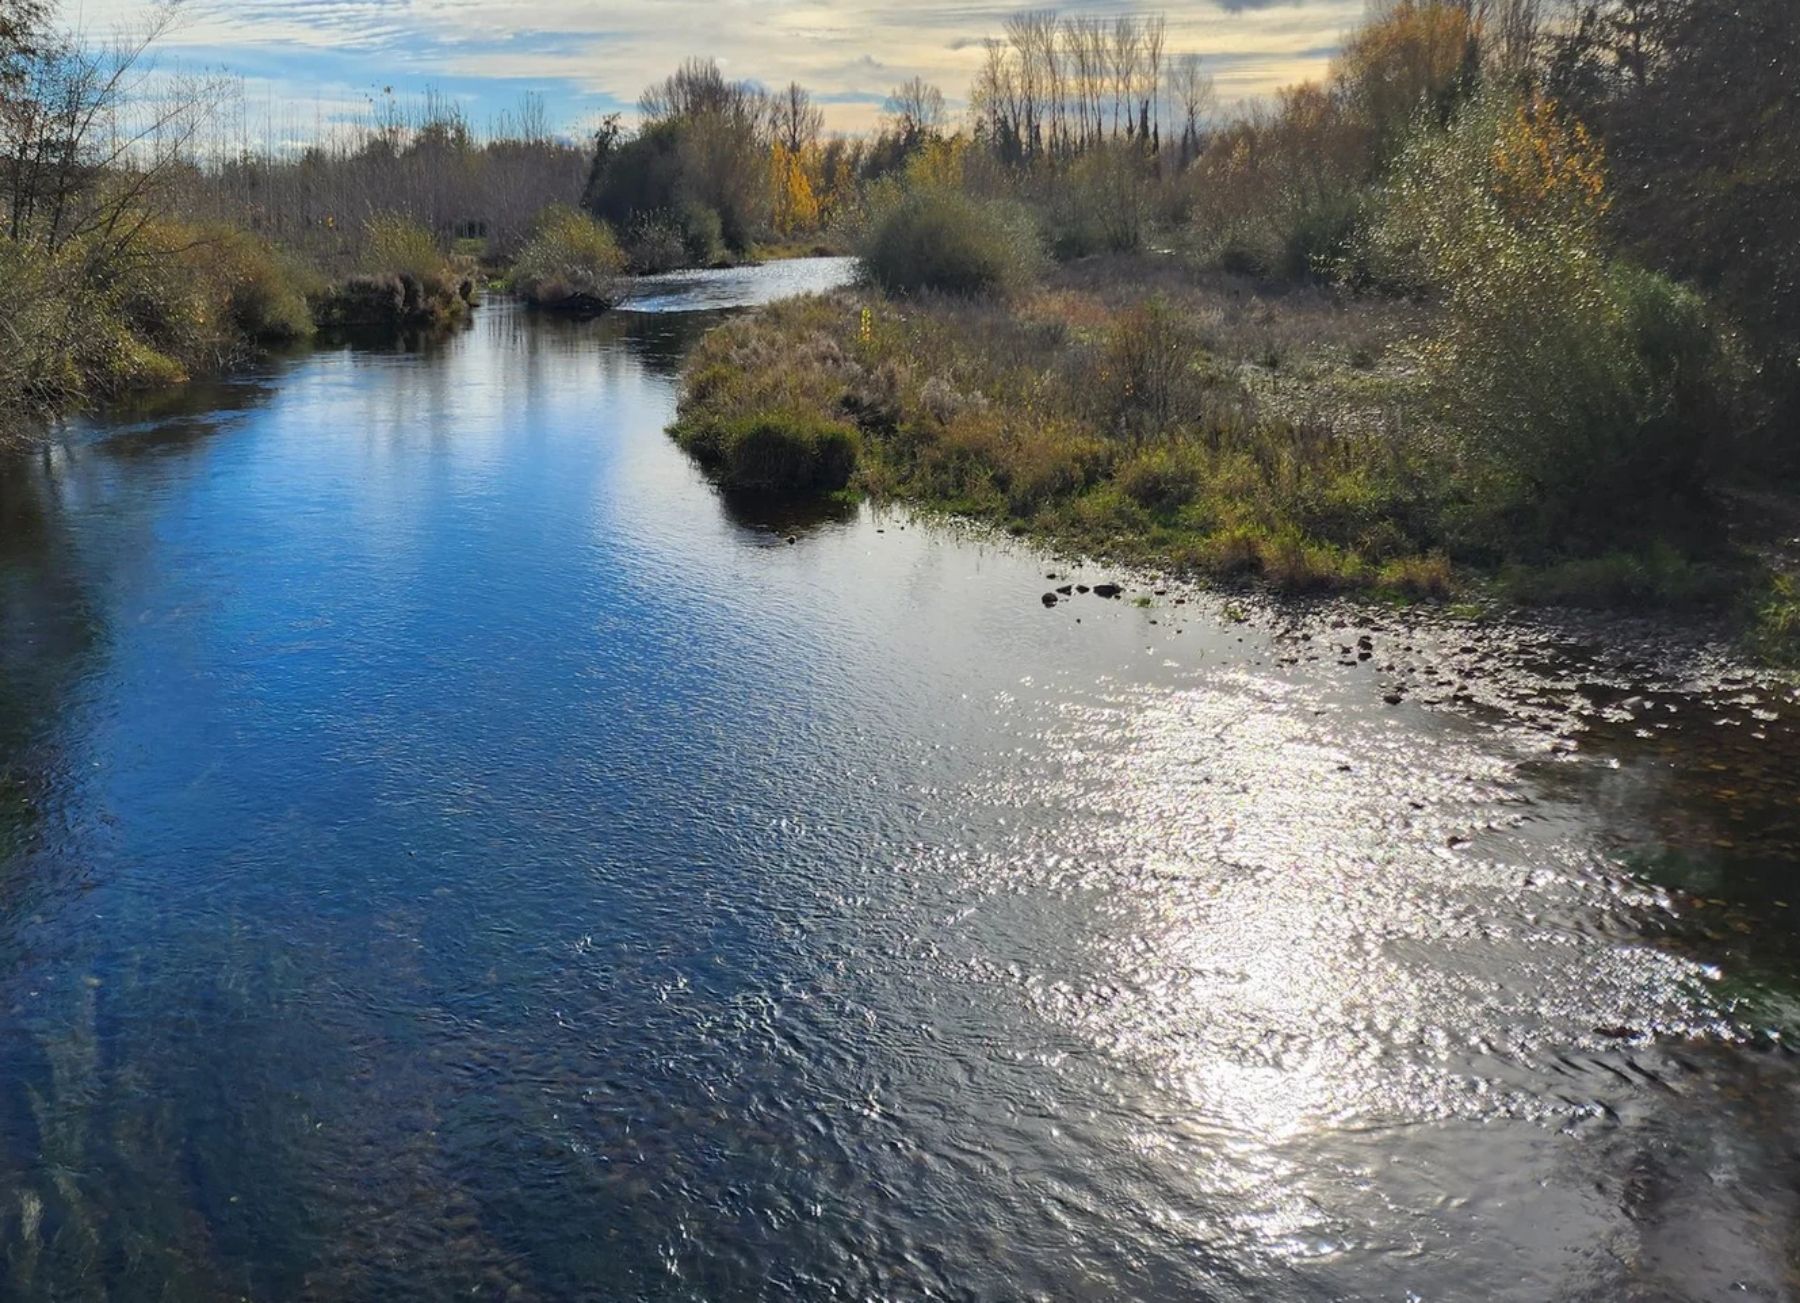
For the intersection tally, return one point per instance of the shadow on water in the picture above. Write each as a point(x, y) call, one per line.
point(421, 340)
point(785, 517)
point(50, 631)
point(1700, 790)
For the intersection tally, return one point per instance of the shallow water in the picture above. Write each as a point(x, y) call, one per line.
point(445, 849)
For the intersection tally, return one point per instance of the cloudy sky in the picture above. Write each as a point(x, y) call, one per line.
point(305, 61)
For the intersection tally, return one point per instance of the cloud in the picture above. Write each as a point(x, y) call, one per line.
point(585, 55)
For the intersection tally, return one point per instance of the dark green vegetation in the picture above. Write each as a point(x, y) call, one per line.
point(1404, 332)
point(775, 450)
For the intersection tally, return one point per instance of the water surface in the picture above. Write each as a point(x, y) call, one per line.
point(446, 849)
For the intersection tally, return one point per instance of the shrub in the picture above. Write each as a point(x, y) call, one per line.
point(396, 246)
point(1776, 626)
point(1577, 387)
point(266, 292)
point(1102, 203)
point(37, 371)
point(701, 150)
point(1320, 236)
point(777, 451)
point(1147, 376)
point(571, 263)
point(101, 315)
point(930, 238)
point(702, 234)
point(1275, 193)
point(655, 244)
point(406, 279)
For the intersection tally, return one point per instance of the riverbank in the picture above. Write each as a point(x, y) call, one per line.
point(90, 321)
point(1203, 423)
point(209, 300)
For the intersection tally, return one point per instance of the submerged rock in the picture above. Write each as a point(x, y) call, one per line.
point(1051, 599)
point(1107, 590)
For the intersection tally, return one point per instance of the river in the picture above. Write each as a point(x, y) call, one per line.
point(448, 850)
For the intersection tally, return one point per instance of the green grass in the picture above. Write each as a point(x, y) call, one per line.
point(1776, 622)
point(774, 452)
point(572, 263)
point(1127, 410)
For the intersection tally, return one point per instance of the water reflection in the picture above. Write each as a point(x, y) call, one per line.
point(467, 854)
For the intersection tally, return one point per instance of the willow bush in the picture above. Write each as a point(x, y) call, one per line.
point(1574, 384)
point(931, 237)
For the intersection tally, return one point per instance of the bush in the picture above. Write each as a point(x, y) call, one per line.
point(784, 452)
point(396, 246)
point(571, 263)
point(1102, 203)
point(1576, 387)
point(407, 279)
point(103, 315)
point(1278, 192)
point(702, 234)
point(1776, 625)
point(931, 238)
point(1319, 237)
point(1147, 377)
point(266, 291)
point(706, 157)
point(655, 243)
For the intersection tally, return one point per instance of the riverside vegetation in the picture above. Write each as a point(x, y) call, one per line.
point(1508, 300)
point(1403, 332)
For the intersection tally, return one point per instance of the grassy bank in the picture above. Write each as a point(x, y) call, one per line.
point(1198, 421)
point(96, 317)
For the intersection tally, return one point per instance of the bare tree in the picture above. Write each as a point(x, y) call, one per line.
point(1154, 34)
point(798, 122)
point(1122, 59)
point(1192, 87)
point(86, 147)
point(917, 109)
point(698, 89)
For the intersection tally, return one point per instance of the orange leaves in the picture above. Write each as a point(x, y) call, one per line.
point(1547, 165)
point(796, 199)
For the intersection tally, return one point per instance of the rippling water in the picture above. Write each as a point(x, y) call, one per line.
point(446, 849)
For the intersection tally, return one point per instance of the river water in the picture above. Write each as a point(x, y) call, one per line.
point(448, 850)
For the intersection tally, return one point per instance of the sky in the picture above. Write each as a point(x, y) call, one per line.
point(308, 62)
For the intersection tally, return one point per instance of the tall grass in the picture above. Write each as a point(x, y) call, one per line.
point(405, 278)
point(1138, 430)
point(572, 263)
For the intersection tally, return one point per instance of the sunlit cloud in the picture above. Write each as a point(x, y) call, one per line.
point(590, 58)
